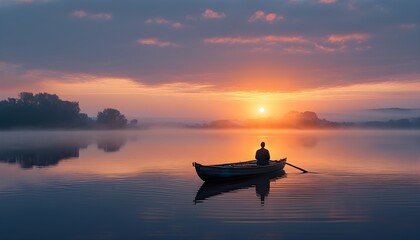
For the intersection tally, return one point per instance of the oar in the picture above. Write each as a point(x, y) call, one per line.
point(301, 169)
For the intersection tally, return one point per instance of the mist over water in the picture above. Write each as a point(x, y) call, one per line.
point(375, 114)
point(141, 185)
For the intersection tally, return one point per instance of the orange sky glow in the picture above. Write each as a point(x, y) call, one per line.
point(181, 100)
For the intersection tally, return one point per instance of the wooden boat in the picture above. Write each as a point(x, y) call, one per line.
point(236, 170)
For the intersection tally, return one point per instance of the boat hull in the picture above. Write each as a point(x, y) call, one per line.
point(236, 170)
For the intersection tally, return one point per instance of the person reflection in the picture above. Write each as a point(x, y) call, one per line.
point(262, 188)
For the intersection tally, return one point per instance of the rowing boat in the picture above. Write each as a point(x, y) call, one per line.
point(236, 170)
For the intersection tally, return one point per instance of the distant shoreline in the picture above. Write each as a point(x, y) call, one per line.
point(44, 111)
point(356, 128)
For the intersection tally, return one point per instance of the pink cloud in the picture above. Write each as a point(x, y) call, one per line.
point(266, 17)
point(268, 39)
point(327, 1)
point(286, 39)
point(256, 16)
point(295, 44)
point(297, 50)
point(96, 16)
point(211, 14)
point(232, 40)
point(79, 13)
point(163, 21)
point(329, 49)
point(155, 42)
point(343, 38)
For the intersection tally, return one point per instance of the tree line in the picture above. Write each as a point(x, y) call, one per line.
point(44, 110)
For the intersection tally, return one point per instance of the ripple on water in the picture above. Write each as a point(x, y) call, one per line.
point(336, 198)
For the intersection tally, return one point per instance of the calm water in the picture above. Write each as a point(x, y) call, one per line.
point(141, 185)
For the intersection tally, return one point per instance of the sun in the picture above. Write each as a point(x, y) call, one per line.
point(261, 110)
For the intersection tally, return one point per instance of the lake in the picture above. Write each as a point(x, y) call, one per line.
point(363, 184)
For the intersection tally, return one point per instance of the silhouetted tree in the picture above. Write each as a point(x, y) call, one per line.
point(133, 123)
point(111, 118)
point(40, 110)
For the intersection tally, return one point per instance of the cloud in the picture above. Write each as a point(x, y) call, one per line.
point(163, 21)
point(155, 42)
point(17, 77)
point(101, 16)
point(297, 44)
point(298, 50)
point(329, 49)
point(79, 13)
point(232, 40)
point(325, 47)
point(96, 16)
point(266, 17)
point(254, 40)
point(211, 14)
point(343, 38)
point(327, 1)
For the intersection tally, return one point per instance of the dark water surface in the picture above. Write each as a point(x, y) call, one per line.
point(141, 185)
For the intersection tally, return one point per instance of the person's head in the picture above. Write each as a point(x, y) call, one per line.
point(262, 144)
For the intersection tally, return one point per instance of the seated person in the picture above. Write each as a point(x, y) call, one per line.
point(262, 155)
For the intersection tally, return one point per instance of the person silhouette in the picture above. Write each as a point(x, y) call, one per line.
point(262, 155)
point(262, 188)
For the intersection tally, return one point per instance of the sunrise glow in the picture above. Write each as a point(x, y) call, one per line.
point(192, 119)
point(174, 71)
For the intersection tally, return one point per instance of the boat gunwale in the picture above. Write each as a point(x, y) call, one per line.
point(239, 165)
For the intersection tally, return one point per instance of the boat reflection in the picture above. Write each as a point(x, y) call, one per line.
point(261, 183)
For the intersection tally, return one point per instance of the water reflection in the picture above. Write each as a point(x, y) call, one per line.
point(261, 183)
point(114, 144)
point(367, 185)
point(48, 150)
point(41, 156)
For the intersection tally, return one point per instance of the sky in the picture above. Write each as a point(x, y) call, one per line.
point(211, 59)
